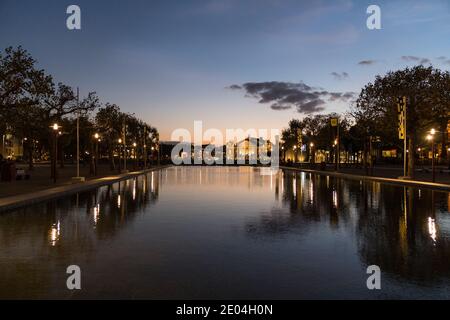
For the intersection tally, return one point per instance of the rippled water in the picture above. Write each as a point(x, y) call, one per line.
point(230, 232)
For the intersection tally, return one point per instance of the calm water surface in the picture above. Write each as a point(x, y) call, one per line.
point(218, 232)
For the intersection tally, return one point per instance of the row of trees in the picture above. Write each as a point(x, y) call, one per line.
point(317, 130)
point(31, 102)
point(375, 114)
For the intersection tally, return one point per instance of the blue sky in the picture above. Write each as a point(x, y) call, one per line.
point(170, 62)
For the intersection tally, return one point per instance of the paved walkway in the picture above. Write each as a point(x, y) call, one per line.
point(42, 192)
point(40, 178)
point(391, 178)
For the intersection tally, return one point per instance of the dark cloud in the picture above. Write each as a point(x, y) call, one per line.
point(335, 96)
point(340, 75)
point(443, 59)
point(312, 106)
point(348, 95)
point(280, 107)
point(234, 87)
point(416, 59)
point(367, 62)
point(287, 95)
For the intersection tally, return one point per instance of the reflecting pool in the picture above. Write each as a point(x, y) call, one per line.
point(230, 232)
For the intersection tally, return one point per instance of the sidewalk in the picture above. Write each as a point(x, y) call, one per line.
point(40, 178)
point(385, 175)
point(40, 188)
point(395, 172)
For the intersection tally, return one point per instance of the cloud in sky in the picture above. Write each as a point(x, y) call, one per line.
point(416, 59)
point(340, 75)
point(443, 59)
point(367, 62)
point(288, 95)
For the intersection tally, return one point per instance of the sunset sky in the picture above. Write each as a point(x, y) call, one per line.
point(230, 63)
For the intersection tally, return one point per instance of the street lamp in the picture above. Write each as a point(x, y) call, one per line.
point(295, 154)
point(134, 152)
point(152, 155)
point(120, 152)
point(336, 154)
point(97, 140)
point(430, 137)
point(311, 147)
point(56, 131)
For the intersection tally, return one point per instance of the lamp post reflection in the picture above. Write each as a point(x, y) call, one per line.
point(54, 233)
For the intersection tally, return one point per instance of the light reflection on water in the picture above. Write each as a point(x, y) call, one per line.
point(229, 232)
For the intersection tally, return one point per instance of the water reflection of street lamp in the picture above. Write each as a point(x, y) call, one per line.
point(430, 138)
point(54, 233)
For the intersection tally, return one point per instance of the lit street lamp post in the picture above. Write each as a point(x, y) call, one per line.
point(152, 161)
point(120, 157)
point(336, 155)
point(430, 137)
point(134, 153)
point(78, 133)
point(311, 151)
point(97, 140)
point(56, 132)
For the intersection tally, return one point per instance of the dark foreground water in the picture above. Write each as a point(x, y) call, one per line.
point(211, 232)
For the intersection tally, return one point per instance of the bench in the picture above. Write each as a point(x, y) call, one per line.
point(22, 174)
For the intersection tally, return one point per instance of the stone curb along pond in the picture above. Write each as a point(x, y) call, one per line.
point(14, 202)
